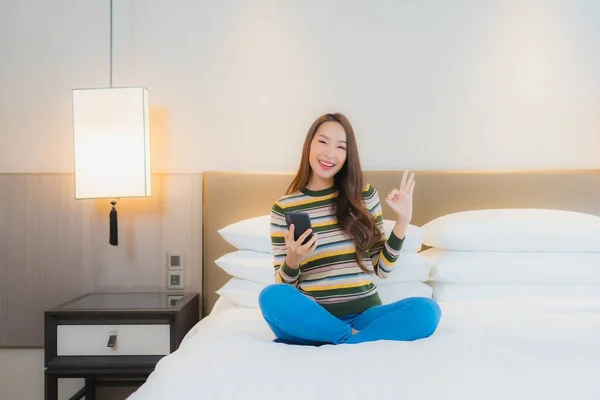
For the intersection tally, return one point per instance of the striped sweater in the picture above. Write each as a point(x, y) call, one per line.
point(331, 275)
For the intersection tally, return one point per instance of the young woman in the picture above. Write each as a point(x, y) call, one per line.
point(324, 293)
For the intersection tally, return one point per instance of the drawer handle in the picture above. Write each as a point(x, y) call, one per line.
point(112, 340)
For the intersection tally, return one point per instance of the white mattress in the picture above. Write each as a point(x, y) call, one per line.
point(490, 349)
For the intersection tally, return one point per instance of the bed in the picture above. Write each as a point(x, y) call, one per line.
point(529, 344)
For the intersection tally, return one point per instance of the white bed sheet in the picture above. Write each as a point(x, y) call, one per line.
point(490, 349)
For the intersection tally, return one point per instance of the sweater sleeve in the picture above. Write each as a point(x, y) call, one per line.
point(283, 273)
point(385, 253)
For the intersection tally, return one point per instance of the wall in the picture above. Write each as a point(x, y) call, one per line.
point(428, 85)
point(55, 248)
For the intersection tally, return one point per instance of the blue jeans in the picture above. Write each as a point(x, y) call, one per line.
point(296, 319)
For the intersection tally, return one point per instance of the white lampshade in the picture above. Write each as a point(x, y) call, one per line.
point(111, 138)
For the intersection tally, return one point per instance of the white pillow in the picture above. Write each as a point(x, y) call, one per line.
point(249, 234)
point(245, 293)
point(249, 265)
point(410, 267)
point(514, 230)
point(241, 292)
point(255, 234)
point(258, 267)
point(455, 291)
point(397, 291)
point(513, 267)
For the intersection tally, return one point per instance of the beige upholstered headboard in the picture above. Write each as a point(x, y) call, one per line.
point(231, 196)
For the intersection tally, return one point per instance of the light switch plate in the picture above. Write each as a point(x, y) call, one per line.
point(175, 280)
point(174, 261)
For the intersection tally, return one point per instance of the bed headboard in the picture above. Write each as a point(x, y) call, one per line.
point(231, 196)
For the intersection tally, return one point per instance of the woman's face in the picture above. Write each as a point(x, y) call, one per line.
point(328, 150)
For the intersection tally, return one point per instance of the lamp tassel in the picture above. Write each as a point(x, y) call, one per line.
point(114, 230)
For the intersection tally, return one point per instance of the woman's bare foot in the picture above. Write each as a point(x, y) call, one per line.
point(354, 331)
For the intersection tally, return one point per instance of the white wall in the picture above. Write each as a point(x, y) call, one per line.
point(428, 84)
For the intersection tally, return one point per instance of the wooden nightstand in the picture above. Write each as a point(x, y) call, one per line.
point(114, 338)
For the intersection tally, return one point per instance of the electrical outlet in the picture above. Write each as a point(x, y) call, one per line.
point(175, 280)
point(174, 261)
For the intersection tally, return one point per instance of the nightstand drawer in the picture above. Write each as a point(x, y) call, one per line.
point(93, 340)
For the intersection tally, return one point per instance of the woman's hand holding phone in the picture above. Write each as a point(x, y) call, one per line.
point(296, 251)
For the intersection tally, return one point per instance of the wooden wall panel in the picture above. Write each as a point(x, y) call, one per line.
point(53, 247)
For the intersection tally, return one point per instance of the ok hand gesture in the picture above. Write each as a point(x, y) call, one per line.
point(401, 199)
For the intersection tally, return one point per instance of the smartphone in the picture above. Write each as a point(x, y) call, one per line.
point(301, 223)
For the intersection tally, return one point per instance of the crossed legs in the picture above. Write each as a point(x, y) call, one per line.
point(295, 318)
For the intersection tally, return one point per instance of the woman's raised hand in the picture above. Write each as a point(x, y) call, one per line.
point(401, 199)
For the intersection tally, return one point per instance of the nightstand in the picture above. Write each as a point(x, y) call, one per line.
point(114, 338)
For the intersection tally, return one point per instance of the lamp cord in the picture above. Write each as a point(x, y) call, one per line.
point(111, 42)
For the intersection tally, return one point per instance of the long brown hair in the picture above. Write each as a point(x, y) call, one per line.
point(350, 212)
